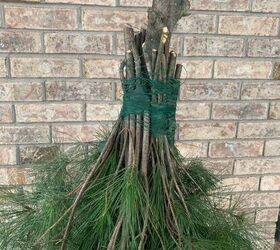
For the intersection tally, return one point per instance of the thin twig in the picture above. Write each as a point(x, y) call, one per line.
point(112, 243)
point(98, 163)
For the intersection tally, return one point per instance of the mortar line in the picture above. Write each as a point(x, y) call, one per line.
point(138, 8)
point(79, 18)
point(260, 181)
point(208, 151)
point(114, 100)
point(240, 92)
point(217, 23)
point(18, 160)
point(268, 110)
point(8, 66)
point(211, 111)
point(251, 6)
point(81, 67)
point(95, 56)
point(245, 47)
point(13, 114)
point(50, 134)
point(84, 111)
point(264, 148)
point(43, 46)
point(44, 92)
point(2, 15)
point(273, 68)
point(213, 69)
point(102, 32)
point(185, 81)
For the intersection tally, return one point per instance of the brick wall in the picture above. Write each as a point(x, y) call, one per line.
point(59, 84)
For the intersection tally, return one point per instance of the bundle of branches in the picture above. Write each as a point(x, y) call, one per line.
point(135, 191)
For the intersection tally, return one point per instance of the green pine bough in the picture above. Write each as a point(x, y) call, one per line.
point(135, 192)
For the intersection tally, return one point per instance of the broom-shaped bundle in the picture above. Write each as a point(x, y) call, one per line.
point(132, 138)
point(137, 192)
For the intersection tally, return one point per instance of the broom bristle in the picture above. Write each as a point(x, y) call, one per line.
point(118, 205)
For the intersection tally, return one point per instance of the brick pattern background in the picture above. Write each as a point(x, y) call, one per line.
point(59, 84)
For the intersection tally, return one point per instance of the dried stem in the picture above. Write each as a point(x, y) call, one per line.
point(160, 51)
point(104, 154)
point(171, 65)
point(112, 243)
point(178, 72)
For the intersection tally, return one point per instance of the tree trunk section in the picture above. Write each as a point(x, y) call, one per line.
point(164, 13)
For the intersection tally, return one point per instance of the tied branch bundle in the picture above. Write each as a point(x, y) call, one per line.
point(136, 193)
point(139, 148)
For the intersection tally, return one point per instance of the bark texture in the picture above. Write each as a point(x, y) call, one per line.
point(164, 13)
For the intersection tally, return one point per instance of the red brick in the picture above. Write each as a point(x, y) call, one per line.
point(225, 5)
point(219, 167)
point(138, 3)
point(206, 130)
point(260, 47)
point(40, 18)
point(192, 149)
point(78, 43)
point(93, 2)
point(239, 110)
point(61, 90)
point(119, 91)
point(3, 68)
point(259, 130)
point(19, 41)
point(44, 67)
point(257, 166)
point(197, 23)
point(103, 111)
point(212, 46)
point(8, 155)
point(274, 112)
point(254, 200)
point(175, 44)
point(267, 215)
point(18, 176)
point(33, 153)
point(20, 91)
point(26, 1)
point(210, 90)
point(276, 71)
point(237, 184)
point(249, 25)
point(101, 68)
point(75, 133)
point(4, 176)
point(49, 112)
point(193, 111)
point(262, 90)
point(272, 148)
point(5, 113)
point(24, 134)
point(197, 69)
point(270, 183)
point(266, 6)
point(111, 20)
point(236, 149)
point(243, 69)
